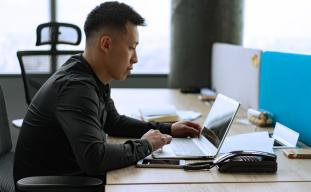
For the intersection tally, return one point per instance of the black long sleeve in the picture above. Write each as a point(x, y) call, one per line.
point(64, 129)
point(79, 113)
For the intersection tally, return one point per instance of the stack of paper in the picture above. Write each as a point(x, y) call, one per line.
point(188, 115)
point(258, 141)
point(166, 113)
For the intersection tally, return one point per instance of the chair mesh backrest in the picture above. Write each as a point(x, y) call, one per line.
point(38, 66)
point(5, 136)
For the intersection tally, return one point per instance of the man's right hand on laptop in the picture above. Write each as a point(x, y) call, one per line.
point(156, 139)
point(186, 129)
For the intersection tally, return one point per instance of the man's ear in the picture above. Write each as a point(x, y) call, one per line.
point(105, 43)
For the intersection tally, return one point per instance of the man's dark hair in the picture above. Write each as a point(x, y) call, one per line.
point(111, 14)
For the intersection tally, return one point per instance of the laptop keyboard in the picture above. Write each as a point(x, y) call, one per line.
point(185, 148)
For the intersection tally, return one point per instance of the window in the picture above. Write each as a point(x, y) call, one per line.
point(154, 45)
point(19, 20)
point(278, 25)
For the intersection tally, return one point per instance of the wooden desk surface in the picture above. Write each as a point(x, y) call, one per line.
point(128, 100)
point(288, 170)
point(215, 187)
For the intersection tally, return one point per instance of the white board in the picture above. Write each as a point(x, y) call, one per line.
point(235, 73)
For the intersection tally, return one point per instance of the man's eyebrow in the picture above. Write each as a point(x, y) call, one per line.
point(135, 43)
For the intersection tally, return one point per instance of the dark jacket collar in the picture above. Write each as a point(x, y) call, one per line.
point(104, 88)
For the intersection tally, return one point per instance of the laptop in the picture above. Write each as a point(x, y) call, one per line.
point(213, 133)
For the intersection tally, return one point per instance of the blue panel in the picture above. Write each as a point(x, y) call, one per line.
point(285, 90)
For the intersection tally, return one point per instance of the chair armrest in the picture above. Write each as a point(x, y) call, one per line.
point(60, 184)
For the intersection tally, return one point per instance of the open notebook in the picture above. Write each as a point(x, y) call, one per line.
point(167, 113)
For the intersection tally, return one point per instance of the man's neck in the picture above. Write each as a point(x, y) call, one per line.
point(92, 60)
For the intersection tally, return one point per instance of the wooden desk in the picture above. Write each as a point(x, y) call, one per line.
point(128, 100)
point(288, 170)
point(215, 187)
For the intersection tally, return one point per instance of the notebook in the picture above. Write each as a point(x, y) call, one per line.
point(167, 113)
point(214, 131)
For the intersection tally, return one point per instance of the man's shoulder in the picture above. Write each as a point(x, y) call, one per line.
point(74, 72)
point(76, 66)
point(74, 80)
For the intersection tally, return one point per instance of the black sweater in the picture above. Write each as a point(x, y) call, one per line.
point(64, 129)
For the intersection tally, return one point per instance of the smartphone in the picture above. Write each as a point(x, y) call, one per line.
point(161, 163)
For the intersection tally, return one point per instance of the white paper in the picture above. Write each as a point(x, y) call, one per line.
point(259, 141)
point(158, 110)
point(188, 115)
point(285, 135)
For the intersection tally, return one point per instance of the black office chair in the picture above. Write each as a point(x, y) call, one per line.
point(38, 65)
point(36, 68)
point(37, 183)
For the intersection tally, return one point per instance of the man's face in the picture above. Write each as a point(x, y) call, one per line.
point(122, 53)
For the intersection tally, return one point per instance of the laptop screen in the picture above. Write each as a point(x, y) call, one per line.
point(219, 119)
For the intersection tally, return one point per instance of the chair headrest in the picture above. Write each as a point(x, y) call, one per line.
point(54, 33)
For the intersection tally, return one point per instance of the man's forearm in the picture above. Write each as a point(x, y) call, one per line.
point(129, 127)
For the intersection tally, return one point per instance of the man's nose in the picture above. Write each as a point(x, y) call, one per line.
point(134, 58)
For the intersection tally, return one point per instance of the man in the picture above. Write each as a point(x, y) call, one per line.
point(64, 130)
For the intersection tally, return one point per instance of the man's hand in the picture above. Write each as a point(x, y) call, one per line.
point(185, 129)
point(156, 139)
